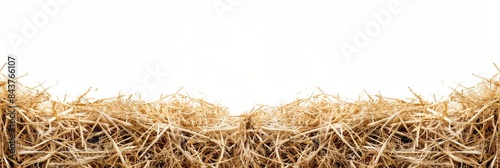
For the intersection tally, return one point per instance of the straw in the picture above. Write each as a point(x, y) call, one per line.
point(322, 130)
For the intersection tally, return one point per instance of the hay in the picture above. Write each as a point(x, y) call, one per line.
point(321, 131)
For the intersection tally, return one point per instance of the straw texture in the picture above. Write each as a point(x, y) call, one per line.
point(320, 131)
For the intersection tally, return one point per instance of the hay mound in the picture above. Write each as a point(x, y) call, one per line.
point(320, 131)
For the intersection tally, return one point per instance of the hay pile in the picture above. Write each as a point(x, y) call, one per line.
point(320, 131)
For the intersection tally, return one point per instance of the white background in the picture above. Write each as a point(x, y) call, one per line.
point(257, 52)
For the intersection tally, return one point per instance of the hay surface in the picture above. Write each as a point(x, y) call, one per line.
point(320, 131)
